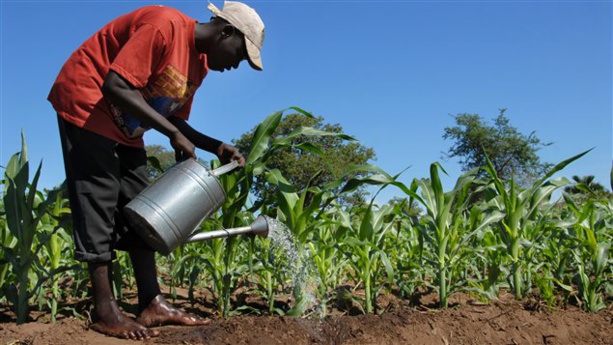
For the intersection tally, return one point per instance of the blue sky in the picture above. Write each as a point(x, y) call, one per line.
point(391, 73)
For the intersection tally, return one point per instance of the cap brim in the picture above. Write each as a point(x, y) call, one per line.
point(254, 57)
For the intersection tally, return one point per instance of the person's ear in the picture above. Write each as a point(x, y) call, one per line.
point(227, 31)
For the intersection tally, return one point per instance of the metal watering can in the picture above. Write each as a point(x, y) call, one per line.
point(166, 213)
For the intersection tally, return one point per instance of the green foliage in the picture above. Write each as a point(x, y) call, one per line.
point(159, 159)
point(448, 227)
point(509, 237)
point(327, 255)
point(309, 153)
point(55, 236)
point(591, 248)
point(513, 155)
point(24, 208)
point(522, 213)
point(364, 247)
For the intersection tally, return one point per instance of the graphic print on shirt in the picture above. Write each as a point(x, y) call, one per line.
point(169, 92)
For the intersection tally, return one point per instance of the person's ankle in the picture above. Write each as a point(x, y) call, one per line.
point(106, 308)
point(145, 303)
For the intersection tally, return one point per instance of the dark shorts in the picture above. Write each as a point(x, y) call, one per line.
point(102, 177)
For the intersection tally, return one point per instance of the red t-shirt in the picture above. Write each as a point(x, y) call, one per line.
point(153, 48)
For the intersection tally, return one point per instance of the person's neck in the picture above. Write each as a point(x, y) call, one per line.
point(202, 36)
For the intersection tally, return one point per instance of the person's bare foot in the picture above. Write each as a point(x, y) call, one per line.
point(115, 324)
point(159, 312)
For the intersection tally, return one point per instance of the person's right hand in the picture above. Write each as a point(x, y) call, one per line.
point(184, 148)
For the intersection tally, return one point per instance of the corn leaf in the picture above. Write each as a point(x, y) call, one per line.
point(262, 135)
point(302, 111)
point(309, 131)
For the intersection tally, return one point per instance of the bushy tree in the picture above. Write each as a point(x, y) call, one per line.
point(307, 168)
point(159, 159)
point(409, 207)
point(513, 154)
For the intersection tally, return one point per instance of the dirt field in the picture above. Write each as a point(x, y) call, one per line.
point(467, 322)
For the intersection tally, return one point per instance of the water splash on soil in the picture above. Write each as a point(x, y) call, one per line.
point(299, 267)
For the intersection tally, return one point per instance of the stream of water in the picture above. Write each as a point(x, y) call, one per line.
point(299, 267)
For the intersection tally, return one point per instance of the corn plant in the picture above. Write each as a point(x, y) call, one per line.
point(6, 241)
point(488, 264)
point(520, 209)
point(363, 246)
point(367, 237)
point(328, 261)
point(291, 205)
point(220, 257)
point(406, 254)
point(541, 230)
point(591, 251)
point(237, 187)
point(290, 211)
point(223, 260)
point(556, 257)
point(55, 238)
point(269, 273)
point(183, 266)
point(23, 214)
point(213, 263)
point(446, 227)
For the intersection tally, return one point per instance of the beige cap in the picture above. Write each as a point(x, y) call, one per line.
point(245, 19)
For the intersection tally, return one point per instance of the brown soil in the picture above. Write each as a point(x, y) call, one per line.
point(505, 321)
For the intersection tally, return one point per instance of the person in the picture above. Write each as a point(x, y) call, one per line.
point(140, 71)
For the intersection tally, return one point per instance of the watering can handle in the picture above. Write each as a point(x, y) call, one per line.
point(225, 168)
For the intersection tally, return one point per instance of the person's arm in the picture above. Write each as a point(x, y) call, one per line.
point(225, 152)
point(125, 96)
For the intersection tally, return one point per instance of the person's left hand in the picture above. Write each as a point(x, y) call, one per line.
point(228, 153)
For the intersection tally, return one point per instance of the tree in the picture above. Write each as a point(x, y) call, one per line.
point(513, 154)
point(411, 210)
point(305, 168)
point(159, 159)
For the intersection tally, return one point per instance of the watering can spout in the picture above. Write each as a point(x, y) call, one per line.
point(258, 227)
